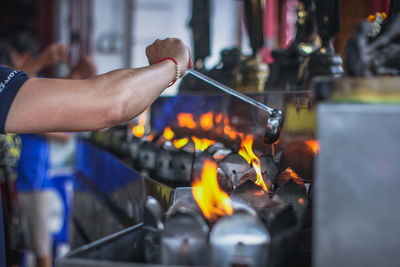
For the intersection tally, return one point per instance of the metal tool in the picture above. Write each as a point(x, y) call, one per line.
point(275, 120)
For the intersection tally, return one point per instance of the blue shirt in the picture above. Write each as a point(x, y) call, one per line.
point(33, 165)
point(10, 82)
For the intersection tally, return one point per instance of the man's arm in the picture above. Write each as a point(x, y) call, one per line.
point(53, 105)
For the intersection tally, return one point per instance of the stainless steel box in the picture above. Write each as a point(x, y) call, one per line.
point(357, 190)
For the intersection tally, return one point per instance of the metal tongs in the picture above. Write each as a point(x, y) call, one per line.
point(275, 119)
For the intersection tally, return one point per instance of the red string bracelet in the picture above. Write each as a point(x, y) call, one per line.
point(178, 68)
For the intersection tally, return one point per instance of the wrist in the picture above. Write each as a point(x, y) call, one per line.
point(177, 68)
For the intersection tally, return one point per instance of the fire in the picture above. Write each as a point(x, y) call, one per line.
point(168, 133)
point(228, 129)
point(138, 130)
point(150, 137)
point(218, 118)
point(213, 202)
point(202, 143)
point(313, 145)
point(179, 143)
point(185, 120)
point(206, 121)
point(246, 151)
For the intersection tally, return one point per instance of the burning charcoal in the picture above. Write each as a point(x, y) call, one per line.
point(116, 137)
point(189, 147)
point(147, 156)
point(221, 154)
point(252, 194)
point(278, 157)
point(199, 163)
point(281, 222)
point(218, 151)
point(224, 181)
point(133, 149)
point(214, 148)
point(239, 205)
point(300, 157)
point(239, 240)
point(152, 226)
point(164, 169)
point(235, 166)
point(185, 202)
point(277, 216)
point(182, 167)
point(310, 191)
point(153, 213)
point(269, 167)
point(184, 240)
point(293, 194)
point(287, 175)
point(252, 176)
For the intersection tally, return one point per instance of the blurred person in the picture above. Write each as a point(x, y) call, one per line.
point(25, 57)
point(10, 148)
point(33, 181)
point(37, 105)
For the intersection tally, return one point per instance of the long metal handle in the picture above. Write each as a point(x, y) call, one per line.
point(230, 91)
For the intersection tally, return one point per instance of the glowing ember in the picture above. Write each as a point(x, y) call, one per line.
point(202, 143)
point(218, 118)
point(185, 120)
point(213, 202)
point(179, 143)
point(313, 145)
point(150, 137)
point(246, 151)
point(168, 133)
point(228, 130)
point(138, 130)
point(206, 121)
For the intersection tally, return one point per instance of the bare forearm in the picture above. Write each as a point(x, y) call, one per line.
point(50, 105)
point(138, 88)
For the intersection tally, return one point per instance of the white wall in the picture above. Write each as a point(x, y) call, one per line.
point(108, 22)
point(154, 19)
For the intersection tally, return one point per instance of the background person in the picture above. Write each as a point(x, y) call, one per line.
point(33, 181)
point(34, 105)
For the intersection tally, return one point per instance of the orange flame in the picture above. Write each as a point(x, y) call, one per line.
point(185, 120)
point(179, 143)
point(313, 145)
point(150, 137)
point(168, 133)
point(138, 130)
point(218, 118)
point(213, 202)
point(202, 143)
point(228, 130)
point(206, 121)
point(246, 151)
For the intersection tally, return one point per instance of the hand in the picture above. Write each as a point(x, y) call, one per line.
point(170, 47)
point(54, 54)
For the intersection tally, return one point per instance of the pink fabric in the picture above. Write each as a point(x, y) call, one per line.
point(288, 22)
point(270, 28)
point(379, 6)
